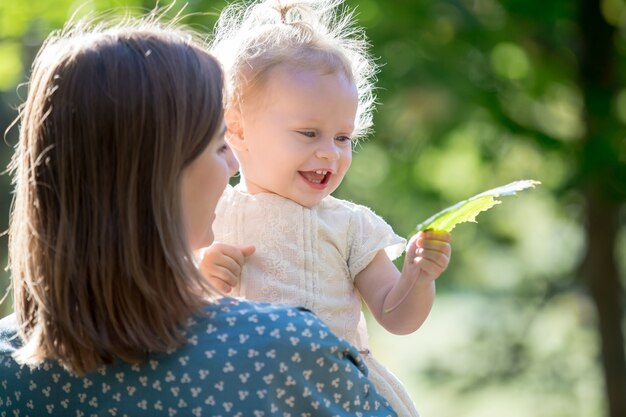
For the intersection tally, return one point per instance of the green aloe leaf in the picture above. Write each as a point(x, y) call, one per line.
point(467, 210)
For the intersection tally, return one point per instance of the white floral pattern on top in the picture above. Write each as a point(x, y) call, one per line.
point(241, 359)
point(309, 257)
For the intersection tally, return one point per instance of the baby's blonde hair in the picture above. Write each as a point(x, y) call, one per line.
point(252, 38)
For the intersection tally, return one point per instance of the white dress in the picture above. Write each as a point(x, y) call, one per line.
point(310, 257)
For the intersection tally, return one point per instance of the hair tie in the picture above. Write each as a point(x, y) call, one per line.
point(283, 10)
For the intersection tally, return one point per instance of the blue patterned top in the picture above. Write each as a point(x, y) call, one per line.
point(241, 359)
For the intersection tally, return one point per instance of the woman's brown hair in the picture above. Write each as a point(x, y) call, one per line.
point(98, 255)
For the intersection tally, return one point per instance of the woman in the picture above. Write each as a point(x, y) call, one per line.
point(120, 164)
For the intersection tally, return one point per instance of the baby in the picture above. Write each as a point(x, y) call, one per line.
point(300, 84)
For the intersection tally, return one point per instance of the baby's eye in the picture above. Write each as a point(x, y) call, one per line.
point(307, 133)
point(343, 139)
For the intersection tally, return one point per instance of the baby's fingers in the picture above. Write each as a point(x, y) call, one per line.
point(429, 269)
point(439, 242)
point(438, 258)
point(237, 254)
point(223, 279)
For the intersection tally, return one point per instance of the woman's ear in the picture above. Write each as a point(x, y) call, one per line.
point(234, 129)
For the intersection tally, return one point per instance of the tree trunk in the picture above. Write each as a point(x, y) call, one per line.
point(602, 277)
point(598, 164)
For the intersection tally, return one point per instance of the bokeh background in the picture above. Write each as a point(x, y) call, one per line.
point(529, 317)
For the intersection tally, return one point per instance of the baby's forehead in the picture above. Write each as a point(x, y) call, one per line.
point(313, 69)
point(304, 94)
point(310, 72)
point(286, 78)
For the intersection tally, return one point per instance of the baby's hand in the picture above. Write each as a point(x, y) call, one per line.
point(221, 264)
point(427, 256)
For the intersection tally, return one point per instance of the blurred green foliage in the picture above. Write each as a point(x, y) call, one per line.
point(472, 94)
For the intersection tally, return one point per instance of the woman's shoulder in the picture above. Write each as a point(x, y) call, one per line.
point(10, 341)
point(240, 314)
point(238, 354)
point(236, 324)
point(9, 338)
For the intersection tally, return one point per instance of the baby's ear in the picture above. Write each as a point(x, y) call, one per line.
point(234, 128)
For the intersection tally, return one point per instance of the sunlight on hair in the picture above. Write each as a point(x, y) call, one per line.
point(250, 40)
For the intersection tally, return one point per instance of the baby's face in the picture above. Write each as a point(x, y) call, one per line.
point(297, 134)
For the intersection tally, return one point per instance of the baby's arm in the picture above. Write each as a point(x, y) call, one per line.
point(401, 301)
point(221, 264)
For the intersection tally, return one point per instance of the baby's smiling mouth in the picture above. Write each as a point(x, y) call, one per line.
point(320, 176)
